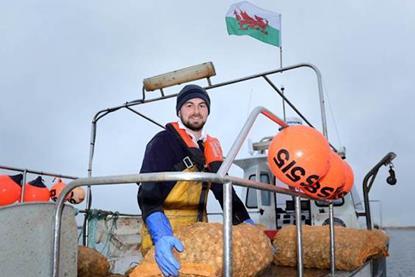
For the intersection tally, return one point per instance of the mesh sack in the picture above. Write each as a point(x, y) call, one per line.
point(91, 263)
point(203, 254)
point(353, 246)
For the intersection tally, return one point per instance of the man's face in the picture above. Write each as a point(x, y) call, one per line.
point(194, 114)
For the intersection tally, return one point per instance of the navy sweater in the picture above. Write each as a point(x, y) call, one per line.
point(162, 155)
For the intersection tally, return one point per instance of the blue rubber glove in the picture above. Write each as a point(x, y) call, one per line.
point(162, 235)
point(249, 221)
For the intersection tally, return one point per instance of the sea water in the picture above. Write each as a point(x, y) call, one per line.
point(401, 260)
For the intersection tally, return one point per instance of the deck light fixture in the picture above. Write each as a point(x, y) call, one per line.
point(180, 76)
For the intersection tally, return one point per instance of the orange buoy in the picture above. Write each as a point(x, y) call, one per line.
point(331, 185)
point(10, 189)
point(299, 156)
point(35, 191)
point(78, 195)
point(349, 177)
point(56, 190)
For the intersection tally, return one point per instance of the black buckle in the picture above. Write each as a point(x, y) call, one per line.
point(187, 162)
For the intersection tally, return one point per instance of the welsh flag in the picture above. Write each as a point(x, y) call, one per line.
point(244, 18)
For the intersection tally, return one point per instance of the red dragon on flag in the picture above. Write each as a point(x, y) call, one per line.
point(247, 22)
point(244, 18)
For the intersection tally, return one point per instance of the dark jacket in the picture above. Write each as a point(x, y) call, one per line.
point(164, 153)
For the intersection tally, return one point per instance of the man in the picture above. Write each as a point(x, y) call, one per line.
point(166, 206)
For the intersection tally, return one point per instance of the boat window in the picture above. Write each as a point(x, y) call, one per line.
point(265, 195)
point(251, 195)
point(337, 202)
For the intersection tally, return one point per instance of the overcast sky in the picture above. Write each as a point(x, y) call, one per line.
point(63, 61)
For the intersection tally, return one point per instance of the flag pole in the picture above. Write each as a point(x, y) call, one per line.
point(280, 41)
point(282, 87)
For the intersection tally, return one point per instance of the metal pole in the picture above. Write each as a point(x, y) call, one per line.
point(283, 105)
point(37, 172)
point(243, 134)
point(88, 199)
point(227, 229)
point(57, 231)
point(380, 215)
point(366, 201)
point(280, 16)
point(23, 185)
point(368, 182)
point(146, 117)
point(332, 241)
point(319, 82)
point(322, 101)
point(282, 88)
point(300, 266)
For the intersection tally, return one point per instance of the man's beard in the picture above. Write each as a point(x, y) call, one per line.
point(191, 126)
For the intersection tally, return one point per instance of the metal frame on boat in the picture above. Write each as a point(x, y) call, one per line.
point(202, 71)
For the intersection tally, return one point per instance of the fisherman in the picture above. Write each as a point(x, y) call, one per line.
point(166, 206)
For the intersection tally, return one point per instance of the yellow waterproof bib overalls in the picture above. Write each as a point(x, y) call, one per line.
point(182, 203)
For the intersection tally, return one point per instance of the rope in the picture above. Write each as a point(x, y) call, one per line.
point(332, 115)
point(94, 216)
point(92, 228)
point(110, 233)
point(109, 244)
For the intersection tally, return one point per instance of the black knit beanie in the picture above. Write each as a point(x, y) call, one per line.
point(190, 92)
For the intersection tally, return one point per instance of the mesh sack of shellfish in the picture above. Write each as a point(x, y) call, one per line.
point(91, 263)
point(203, 252)
point(353, 246)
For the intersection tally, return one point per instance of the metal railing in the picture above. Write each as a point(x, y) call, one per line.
point(368, 182)
point(25, 171)
point(127, 105)
point(219, 177)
